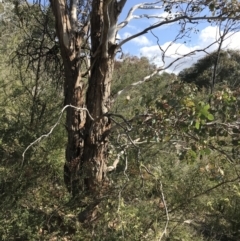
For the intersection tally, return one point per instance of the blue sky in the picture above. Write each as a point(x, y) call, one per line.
point(147, 45)
point(136, 25)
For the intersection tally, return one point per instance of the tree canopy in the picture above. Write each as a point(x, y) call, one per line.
point(201, 73)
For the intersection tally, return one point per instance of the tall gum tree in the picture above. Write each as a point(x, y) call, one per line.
point(93, 25)
point(86, 152)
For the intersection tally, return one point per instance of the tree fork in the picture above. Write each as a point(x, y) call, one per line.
point(86, 153)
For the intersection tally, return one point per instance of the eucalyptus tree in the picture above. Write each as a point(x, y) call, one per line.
point(87, 35)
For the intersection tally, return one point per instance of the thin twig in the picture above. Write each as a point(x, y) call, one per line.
point(166, 210)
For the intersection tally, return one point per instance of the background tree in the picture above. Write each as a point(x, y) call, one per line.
point(201, 73)
point(30, 97)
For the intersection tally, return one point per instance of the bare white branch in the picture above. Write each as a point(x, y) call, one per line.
point(126, 166)
point(138, 83)
point(73, 10)
point(166, 210)
point(150, 6)
point(130, 15)
point(168, 21)
point(53, 127)
point(115, 163)
point(163, 199)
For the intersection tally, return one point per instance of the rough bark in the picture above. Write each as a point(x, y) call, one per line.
point(86, 152)
point(98, 103)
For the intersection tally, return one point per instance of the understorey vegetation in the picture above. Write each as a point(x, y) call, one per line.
point(94, 146)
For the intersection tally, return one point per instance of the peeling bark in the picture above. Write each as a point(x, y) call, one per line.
point(86, 153)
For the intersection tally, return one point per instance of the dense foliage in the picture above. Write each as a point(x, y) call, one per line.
point(202, 72)
point(178, 156)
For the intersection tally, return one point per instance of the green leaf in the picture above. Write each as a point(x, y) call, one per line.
point(206, 107)
point(210, 117)
point(197, 124)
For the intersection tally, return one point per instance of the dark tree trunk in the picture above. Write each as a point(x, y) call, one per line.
point(86, 152)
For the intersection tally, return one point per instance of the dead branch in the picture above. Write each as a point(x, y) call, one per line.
point(53, 127)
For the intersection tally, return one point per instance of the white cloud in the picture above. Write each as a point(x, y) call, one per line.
point(210, 34)
point(140, 41)
point(175, 50)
